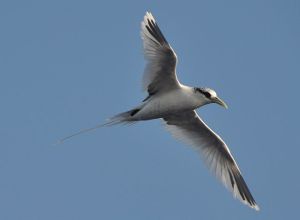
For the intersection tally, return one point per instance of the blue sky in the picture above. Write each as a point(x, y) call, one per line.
point(68, 65)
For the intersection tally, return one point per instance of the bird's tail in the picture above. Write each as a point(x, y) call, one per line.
point(122, 118)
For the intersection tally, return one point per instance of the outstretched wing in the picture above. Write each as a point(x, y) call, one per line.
point(160, 71)
point(189, 127)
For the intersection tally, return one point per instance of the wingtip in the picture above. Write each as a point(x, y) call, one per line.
point(256, 207)
point(148, 15)
point(252, 205)
point(144, 21)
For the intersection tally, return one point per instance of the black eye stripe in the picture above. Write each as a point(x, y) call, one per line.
point(207, 94)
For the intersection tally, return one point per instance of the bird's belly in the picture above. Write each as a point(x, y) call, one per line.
point(166, 104)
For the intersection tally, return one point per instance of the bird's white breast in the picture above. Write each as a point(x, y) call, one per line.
point(171, 102)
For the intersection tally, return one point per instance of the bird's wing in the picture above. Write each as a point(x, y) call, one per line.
point(189, 127)
point(160, 71)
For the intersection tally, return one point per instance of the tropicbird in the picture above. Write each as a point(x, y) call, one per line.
point(175, 104)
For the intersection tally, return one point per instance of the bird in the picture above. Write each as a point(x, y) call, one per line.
point(175, 104)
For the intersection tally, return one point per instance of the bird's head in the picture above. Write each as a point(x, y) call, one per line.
point(209, 96)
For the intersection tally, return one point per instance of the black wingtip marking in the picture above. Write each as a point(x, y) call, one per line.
point(239, 186)
point(243, 189)
point(154, 30)
point(153, 33)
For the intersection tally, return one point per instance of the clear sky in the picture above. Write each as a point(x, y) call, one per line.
point(68, 65)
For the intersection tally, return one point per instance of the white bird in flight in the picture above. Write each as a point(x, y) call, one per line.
point(175, 104)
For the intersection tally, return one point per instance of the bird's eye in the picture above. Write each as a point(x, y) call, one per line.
point(207, 94)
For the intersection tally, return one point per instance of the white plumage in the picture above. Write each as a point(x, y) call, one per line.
point(175, 103)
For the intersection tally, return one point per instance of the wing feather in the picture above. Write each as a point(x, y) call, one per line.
point(189, 127)
point(160, 71)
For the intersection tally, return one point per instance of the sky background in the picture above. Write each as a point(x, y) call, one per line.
point(69, 65)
